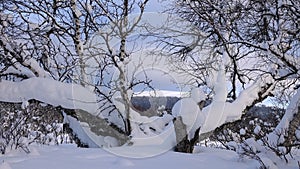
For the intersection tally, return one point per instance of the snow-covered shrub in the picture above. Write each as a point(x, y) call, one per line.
point(250, 138)
point(255, 123)
point(27, 123)
point(268, 153)
point(278, 146)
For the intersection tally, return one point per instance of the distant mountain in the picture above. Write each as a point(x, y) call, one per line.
point(151, 104)
point(162, 93)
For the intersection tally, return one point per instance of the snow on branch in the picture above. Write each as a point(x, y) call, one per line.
point(20, 65)
point(215, 111)
point(220, 111)
point(36, 68)
point(275, 138)
point(70, 96)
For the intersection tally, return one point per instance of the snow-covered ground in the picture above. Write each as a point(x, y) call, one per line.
point(71, 157)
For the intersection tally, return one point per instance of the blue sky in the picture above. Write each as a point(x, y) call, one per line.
point(154, 6)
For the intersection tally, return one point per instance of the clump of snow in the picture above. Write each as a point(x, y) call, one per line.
point(242, 132)
point(111, 141)
point(232, 144)
point(257, 129)
point(24, 104)
point(129, 93)
point(76, 10)
point(34, 65)
point(254, 145)
point(198, 95)
point(18, 69)
point(33, 25)
point(4, 24)
point(283, 150)
point(297, 134)
point(89, 8)
point(251, 122)
point(268, 163)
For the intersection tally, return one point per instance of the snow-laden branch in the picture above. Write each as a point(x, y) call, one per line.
point(70, 96)
point(285, 123)
point(220, 111)
point(29, 68)
point(215, 112)
point(36, 68)
point(21, 66)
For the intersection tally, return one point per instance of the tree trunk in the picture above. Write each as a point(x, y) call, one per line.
point(99, 126)
point(184, 145)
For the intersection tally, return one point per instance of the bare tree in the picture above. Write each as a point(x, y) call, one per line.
point(120, 27)
point(255, 43)
point(53, 39)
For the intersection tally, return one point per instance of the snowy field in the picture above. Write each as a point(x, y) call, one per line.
point(71, 157)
